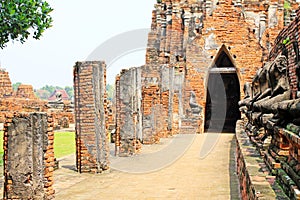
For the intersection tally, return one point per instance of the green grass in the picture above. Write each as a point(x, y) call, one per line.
point(64, 144)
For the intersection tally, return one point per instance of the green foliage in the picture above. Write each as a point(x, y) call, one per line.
point(110, 91)
point(21, 18)
point(286, 5)
point(46, 91)
point(51, 88)
point(64, 144)
point(287, 8)
point(286, 41)
point(42, 94)
point(16, 85)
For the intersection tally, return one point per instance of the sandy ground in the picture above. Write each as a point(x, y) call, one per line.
point(188, 177)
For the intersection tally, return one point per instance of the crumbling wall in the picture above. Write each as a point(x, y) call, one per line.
point(24, 100)
point(151, 113)
point(25, 91)
point(190, 33)
point(254, 179)
point(92, 150)
point(11, 104)
point(5, 84)
point(144, 106)
point(129, 121)
point(28, 156)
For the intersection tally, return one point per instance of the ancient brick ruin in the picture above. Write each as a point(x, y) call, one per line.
point(5, 84)
point(24, 100)
point(198, 50)
point(194, 49)
point(90, 110)
point(206, 63)
point(25, 91)
point(28, 156)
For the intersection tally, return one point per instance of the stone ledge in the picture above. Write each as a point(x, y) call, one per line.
point(291, 136)
point(252, 172)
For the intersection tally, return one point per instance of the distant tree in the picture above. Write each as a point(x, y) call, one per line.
point(42, 94)
point(21, 18)
point(51, 88)
point(110, 89)
point(16, 85)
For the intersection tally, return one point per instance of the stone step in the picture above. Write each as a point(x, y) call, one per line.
point(188, 130)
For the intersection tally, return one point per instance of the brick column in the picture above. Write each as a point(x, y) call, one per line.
point(92, 149)
point(28, 156)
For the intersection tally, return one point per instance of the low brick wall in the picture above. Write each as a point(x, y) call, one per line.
point(252, 171)
point(28, 156)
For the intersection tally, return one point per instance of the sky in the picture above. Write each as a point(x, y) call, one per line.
point(79, 29)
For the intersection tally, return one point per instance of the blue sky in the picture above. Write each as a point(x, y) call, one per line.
point(79, 27)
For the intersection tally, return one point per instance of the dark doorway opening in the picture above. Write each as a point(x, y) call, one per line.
point(231, 86)
point(223, 95)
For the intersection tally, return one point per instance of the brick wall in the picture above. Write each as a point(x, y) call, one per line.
point(151, 113)
point(92, 150)
point(11, 104)
point(25, 91)
point(145, 106)
point(255, 180)
point(287, 43)
point(193, 33)
point(189, 37)
point(24, 100)
point(28, 156)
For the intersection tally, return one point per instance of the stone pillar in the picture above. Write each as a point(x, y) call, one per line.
point(129, 111)
point(92, 150)
point(28, 156)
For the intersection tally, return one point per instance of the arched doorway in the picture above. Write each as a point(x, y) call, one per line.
point(223, 95)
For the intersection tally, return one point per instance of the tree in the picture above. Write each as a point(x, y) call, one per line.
point(42, 94)
point(110, 91)
point(16, 85)
point(21, 18)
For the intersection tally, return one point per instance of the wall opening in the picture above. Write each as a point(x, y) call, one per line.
point(223, 95)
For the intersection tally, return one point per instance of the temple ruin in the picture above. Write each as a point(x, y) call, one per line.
point(199, 56)
point(211, 66)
